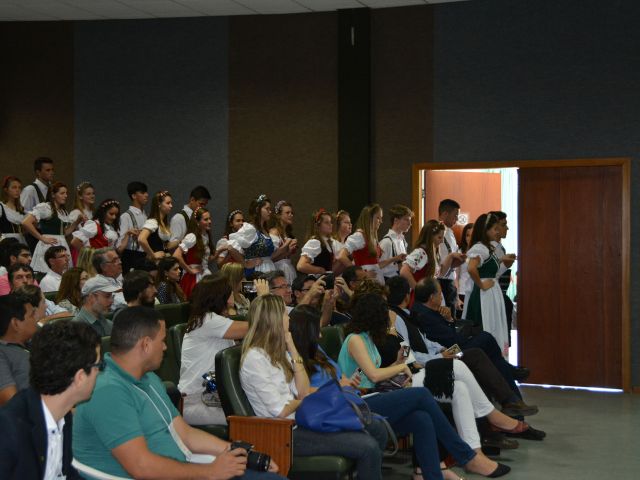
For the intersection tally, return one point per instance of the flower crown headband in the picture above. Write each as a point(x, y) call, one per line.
point(261, 198)
point(198, 210)
point(233, 214)
point(279, 206)
point(82, 185)
point(163, 193)
point(110, 203)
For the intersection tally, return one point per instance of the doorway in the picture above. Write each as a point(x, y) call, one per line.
point(574, 327)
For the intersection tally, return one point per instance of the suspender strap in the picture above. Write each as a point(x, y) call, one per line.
point(186, 217)
point(39, 193)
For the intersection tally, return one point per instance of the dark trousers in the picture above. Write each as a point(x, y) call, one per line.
point(488, 376)
point(488, 344)
point(450, 294)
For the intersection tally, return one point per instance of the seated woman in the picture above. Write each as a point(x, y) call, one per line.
point(234, 274)
point(252, 241)
point(11, 211)
point(195, 250)
point(50, 224)
point(155, 235)
point(275, 381)
point(284, 242)
point(102, 231)
point(319, 253)
point(167, 285)
point(208, 332)
point(224, 253)
point(368, 328)
point(69, 294)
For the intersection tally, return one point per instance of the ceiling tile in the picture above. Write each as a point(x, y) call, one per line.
point(217, 7)
point(273, 6)
point(329, 5)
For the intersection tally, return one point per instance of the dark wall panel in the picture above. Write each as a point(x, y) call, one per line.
point(542, 80)
point(283, 111)
point(402, 51)
point(151, 103)
point(36, 97)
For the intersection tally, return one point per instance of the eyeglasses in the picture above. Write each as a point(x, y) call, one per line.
point(99, 365)
point(284, 286)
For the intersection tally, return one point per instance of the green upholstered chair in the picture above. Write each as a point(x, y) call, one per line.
point(51, 296)
point(331, 341)
point(236, 406)
point(174, 313)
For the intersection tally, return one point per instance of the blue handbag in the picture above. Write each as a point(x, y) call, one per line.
point(333, 409)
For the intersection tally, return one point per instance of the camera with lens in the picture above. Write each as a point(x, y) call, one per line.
point(255, 460)
point(209, 383)
point(249, 290)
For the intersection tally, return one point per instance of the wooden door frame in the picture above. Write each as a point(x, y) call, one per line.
point(625, 163)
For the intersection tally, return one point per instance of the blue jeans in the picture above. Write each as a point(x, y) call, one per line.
point(362, 447)
point(413, 410)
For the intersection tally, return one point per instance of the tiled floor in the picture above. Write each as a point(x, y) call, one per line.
point(589, 436)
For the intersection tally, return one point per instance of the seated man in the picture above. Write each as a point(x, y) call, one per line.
point(57, 259)
point(17, 253)
point(97, 297)
point(437, 324)
point(131, 429)
point(36, 423)
point(485, 372)
point(108, 265)
point(19, 315)
point(21, 275)
point(138, 289)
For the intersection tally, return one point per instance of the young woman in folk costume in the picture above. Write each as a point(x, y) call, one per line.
point(195, 251)
point(284, 241)
point(319, 254)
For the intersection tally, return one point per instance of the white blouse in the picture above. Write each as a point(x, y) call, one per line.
point(265, 385)
point(75, 213)
point(417, 259)
point(189, 241)
point(90, 229)
point(151, 224)
point(354, 242)
point(223, 242)
point(12, 216)
point(199, 349)
point(243, 238)
point(313, 247)
point(42, 211)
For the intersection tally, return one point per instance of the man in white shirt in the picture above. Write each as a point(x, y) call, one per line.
point(57, 259)
point(199, 197)
point(393, 244)
point(448, 211)
point(37, 191)
point(131, 223)
point(36, 424)
point(107, 263)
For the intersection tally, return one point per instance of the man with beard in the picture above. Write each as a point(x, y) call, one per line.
point(97, 298)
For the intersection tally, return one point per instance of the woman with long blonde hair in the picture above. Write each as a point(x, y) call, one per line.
point(275, 381)
point(363, 244)
point(284, 241)
point(319, 251)
point(11, 210)
point(154, 238)
point(234, 273)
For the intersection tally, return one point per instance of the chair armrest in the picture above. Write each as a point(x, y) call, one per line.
point(268, 435)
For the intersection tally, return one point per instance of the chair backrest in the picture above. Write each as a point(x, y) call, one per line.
point(233, 399)
point(51, 296)
point(331, 341)
point(177, 334)
point(169, 370)
point(105, 346)
point(174, 313)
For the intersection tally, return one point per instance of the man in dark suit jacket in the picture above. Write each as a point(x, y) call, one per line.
point(36, 423)
point(436, 323)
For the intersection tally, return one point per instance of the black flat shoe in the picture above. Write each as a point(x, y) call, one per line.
point(529, 434)
point(501, 470)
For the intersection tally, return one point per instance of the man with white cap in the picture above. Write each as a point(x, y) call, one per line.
point(97, 298)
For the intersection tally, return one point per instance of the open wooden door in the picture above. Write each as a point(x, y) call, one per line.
point(569, 279)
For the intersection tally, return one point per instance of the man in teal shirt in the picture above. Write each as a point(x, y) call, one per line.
point(130, 428)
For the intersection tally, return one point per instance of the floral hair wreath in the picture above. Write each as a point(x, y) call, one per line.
point(198, 210)
point(110, 203)
point(261, 198)
point(439, 226)
point(163, 193)
point(279, 206)
point(233, 214)
point(82, 185)
point(319, 214)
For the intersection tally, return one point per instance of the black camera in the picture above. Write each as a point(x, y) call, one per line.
point(255, 460)
point(249, 290)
